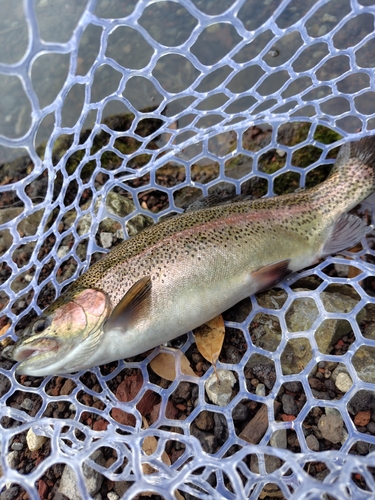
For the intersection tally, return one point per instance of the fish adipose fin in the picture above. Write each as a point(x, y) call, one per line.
point(270, 275)
point(132, 307)
point(347, 231)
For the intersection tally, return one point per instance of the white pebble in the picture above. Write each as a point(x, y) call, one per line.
point(62, 251)
point(34, 442)
point(343, 382)
point(280, 152)
point(106, 239)
point(112, 496)
point(260, 390)
point(220, 393)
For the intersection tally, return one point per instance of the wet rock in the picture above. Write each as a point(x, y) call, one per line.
point(369, 332)
point(267, 332)
point(220, 393)
point(93, 479)
point(303, 312)
point(265, 373)
point(361, 401)
point(289, 405)
point(115, 204)
point(312, 442)
point(331, 426)
point(296, 355)
point(364, 363)
point(233, 354)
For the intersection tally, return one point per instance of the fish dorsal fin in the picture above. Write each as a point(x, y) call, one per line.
point(134, 304)
point(267, 276)
point(347, 231)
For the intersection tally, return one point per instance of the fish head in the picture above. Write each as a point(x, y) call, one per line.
point(65, 336)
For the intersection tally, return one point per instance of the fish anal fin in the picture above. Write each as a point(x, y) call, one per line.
point(346, 232)
point(269, 275)
point(134, 305)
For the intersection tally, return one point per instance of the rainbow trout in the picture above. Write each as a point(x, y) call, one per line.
point(182, 272)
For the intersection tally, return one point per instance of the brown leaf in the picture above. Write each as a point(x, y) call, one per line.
point(164, 365)
point(149, 446)
point(209, 338)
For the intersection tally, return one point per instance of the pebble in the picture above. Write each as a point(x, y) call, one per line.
point(293, 386)
point(183, 391)
point(93, 479)
point(17, 446)
point(208, 440)
point(106, 239)
point(363, 447)
point(289, 405)
point(62, 251)
point(240, 413)
point(13, 459)
point(205, 421)
point(371, 427)
point(10, 493)
point(112, 496)
point(221, 427)
point(312, 442)
point(279, 439)
point(220, 393)
point(343, 382)
point(34, 442)
point(362, 418)
point(27, 404)
point(260, 390)
point(331, 426)
point(271, 463)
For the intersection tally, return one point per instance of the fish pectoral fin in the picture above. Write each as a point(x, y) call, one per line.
point(346, 232)
point(267, 276)
point(134, 304)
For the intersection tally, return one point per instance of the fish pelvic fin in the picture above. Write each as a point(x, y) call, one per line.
point(346, 232)
point(267, 276)
point(132, 307)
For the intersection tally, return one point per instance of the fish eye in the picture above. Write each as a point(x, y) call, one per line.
point(40, 326)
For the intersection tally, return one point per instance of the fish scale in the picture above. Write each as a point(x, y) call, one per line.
point(182, 272)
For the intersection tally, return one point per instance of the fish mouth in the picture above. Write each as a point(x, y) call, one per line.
point(27, 351)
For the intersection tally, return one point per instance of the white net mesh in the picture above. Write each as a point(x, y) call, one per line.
point(147, 105)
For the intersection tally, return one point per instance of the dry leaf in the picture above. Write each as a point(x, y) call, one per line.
point(164, 365)
point(149, 446)
point(209, 339)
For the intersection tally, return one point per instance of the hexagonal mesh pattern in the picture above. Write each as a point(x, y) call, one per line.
point(172, 101)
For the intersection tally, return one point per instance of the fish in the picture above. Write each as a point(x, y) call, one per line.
point(185, 270)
